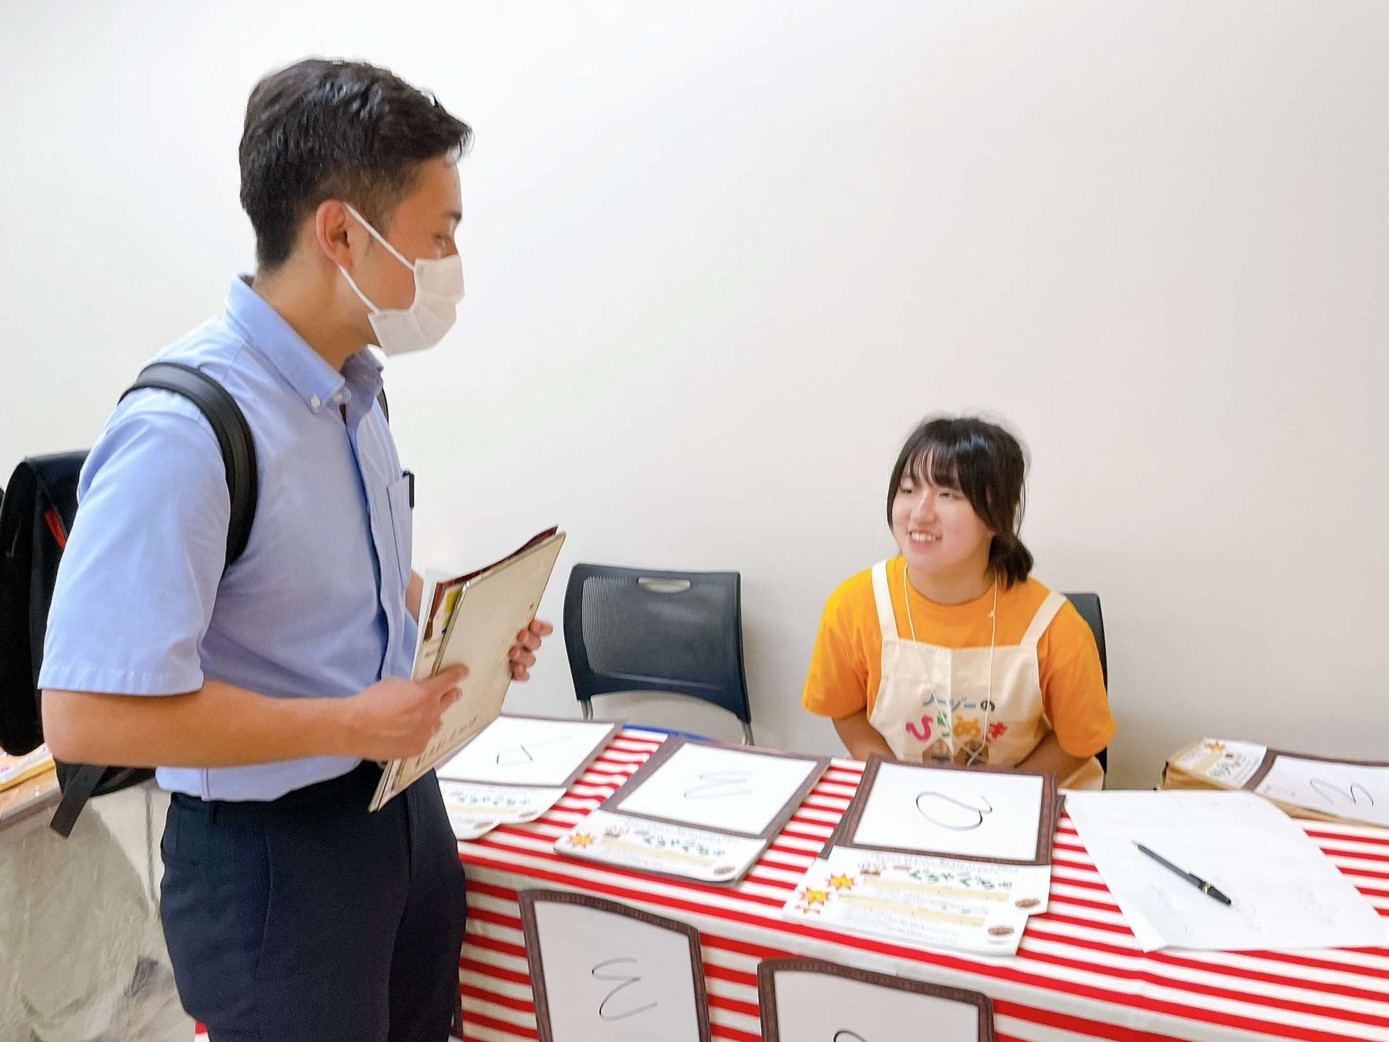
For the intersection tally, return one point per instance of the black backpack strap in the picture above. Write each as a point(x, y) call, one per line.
point(233, 437)
point(81, 783)
point(385, 405)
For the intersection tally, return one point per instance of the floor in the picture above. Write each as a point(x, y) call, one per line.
point(82, 957)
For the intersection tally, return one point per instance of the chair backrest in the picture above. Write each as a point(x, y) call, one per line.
point(636, 629)
point(1088, 604)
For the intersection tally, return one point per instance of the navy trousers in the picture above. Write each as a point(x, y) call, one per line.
point(309, 918)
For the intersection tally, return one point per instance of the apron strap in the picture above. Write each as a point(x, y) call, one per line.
point(1049, 607)
point(887, 619)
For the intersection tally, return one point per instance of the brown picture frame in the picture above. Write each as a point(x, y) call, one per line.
point(1047, 813)
point(769, 968)
point(528, 899)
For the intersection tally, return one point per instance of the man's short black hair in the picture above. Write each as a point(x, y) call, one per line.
point(323, 129)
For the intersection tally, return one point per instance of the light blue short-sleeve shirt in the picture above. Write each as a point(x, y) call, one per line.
point(315, 606)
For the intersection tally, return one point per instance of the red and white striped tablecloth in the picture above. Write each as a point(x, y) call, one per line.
point(1077, 975)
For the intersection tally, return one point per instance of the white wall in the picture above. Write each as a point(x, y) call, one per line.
point(721, 256)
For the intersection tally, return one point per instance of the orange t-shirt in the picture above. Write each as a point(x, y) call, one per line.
point(846, 665)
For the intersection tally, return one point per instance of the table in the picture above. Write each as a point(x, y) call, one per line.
point(1078, 973)
point(30, 798)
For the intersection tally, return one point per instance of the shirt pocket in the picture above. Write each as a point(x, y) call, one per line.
point(402, 524)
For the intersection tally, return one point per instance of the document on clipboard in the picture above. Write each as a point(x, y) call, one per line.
point(472, 619)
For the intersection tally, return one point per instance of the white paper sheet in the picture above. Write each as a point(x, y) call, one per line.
point(960, 813)
point(474, 809)
point(1285, 892)
point(520, 750)
point(926, 877)
point(732, 790)
point(655, 846)
point(824, 1006)
point(927, 901)
point(612, 977)
point(1342, 789)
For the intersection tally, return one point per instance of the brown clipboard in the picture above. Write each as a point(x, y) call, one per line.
point(495, 603)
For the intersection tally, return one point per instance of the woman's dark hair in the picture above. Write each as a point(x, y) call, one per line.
point(986, 464)
point(324, 129)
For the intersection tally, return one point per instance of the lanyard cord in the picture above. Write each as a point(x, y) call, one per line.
point(926, 669)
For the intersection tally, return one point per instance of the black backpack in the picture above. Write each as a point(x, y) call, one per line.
point(36, 514)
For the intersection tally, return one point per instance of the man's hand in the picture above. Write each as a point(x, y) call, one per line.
point(522, 655)
point(397, 717)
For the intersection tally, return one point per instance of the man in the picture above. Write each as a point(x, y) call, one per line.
point(291, 913)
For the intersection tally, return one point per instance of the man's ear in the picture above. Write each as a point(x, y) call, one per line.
point(333, 232)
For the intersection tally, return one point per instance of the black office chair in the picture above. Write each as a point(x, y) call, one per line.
point(1088, 604)
point(634, 629)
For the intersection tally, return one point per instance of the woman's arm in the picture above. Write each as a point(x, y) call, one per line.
point(1049, 756)
point(860, 737)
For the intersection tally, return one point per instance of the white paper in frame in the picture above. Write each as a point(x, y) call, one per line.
point(735, 789)
point(1343, 789)
point(529, 750)
point(983, 814)
point(696, 810)
point(605, 972)
point(1322, 787)
point(804, 999)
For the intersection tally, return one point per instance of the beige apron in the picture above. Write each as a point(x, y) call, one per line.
point(933, 703)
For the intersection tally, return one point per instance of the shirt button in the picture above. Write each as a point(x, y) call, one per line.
point(338, 397)
point(315, 401)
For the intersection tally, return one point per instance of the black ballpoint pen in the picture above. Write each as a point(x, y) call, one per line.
point(1196, 881)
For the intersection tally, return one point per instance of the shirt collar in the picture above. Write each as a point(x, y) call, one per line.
point(316, 382)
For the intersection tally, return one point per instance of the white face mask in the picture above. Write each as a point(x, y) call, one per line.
point(438, 289)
